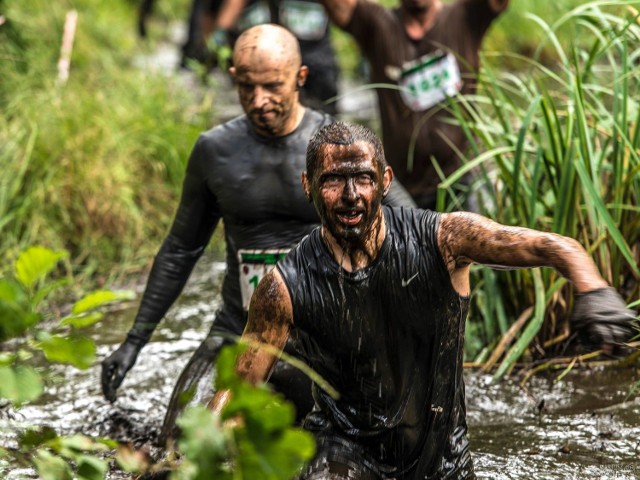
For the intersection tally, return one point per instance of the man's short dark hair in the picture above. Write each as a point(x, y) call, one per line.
point(342, 133)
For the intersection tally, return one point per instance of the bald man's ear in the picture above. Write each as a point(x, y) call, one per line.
point(305, 186)
point(303, 73)
point(232, 72)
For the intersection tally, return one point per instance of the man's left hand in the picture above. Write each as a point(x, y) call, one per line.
point(602, 319)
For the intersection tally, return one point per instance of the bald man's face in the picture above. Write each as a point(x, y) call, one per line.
point(268, 90)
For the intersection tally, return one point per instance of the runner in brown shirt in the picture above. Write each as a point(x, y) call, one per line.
point(427, 48)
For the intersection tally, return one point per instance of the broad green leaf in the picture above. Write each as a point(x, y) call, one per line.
point(34, 437)
point(201, 431)
point(226, 377)
point(15, 321)
point(99, 298)
point(15, 313)
point(279, 457)
point(35, 263)
point(91, 468)
point(12, 292)
point(20, 384)
point(7, 358)
point(74, 350)
point(203, 444)
point(50, 467)
point(82, 320)
point(106, 442)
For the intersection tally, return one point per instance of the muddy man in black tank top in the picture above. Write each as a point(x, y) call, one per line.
point(375, 300)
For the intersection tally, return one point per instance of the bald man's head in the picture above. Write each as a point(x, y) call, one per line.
point(268, 72)
point(267, 41)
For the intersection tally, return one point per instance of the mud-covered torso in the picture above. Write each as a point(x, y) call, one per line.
point(388, 338)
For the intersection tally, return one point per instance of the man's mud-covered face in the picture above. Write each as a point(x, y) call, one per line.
point(347, 189)
point(268, 93)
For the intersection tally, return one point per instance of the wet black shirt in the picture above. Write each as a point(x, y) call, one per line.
point(389, 338)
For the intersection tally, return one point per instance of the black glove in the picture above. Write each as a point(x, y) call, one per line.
point(602, 319)
point(116, 365)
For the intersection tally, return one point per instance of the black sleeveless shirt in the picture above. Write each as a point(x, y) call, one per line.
point(389, 338)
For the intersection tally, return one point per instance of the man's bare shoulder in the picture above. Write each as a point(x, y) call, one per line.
point(271, 302)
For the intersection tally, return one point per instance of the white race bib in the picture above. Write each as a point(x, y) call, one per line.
point(256, 14)
point(307, 21)
point(429, 80)
point(255, 264)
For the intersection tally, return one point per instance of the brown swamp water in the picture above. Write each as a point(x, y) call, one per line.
point(584, 430)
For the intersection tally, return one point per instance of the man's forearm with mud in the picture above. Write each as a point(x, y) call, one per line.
point(467, 238)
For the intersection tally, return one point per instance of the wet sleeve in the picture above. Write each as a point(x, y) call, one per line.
point(197, 217)
point(398, 196)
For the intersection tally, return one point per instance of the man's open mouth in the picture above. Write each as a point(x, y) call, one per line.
point(350, 217)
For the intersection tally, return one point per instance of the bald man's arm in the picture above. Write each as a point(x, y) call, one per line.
point(340, 11)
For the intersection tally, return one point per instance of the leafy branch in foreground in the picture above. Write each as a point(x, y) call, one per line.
point(27, 329)
point(21, 299)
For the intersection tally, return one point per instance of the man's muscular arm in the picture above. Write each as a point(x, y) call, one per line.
point(270, 319)
point(465, 238)
point(599, 315)
point(340, 11)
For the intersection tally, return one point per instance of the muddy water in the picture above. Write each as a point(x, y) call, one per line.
point(578, 428)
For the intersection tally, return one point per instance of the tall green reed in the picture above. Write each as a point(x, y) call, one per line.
point(556, 148)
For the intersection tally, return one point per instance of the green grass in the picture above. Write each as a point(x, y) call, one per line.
point(93, 165)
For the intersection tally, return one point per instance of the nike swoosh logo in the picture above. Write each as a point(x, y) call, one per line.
point(407, 281)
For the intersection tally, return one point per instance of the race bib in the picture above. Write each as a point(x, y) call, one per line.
point(255, 14)
point(255, 264)
point(307, 21)
point(429, 80)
